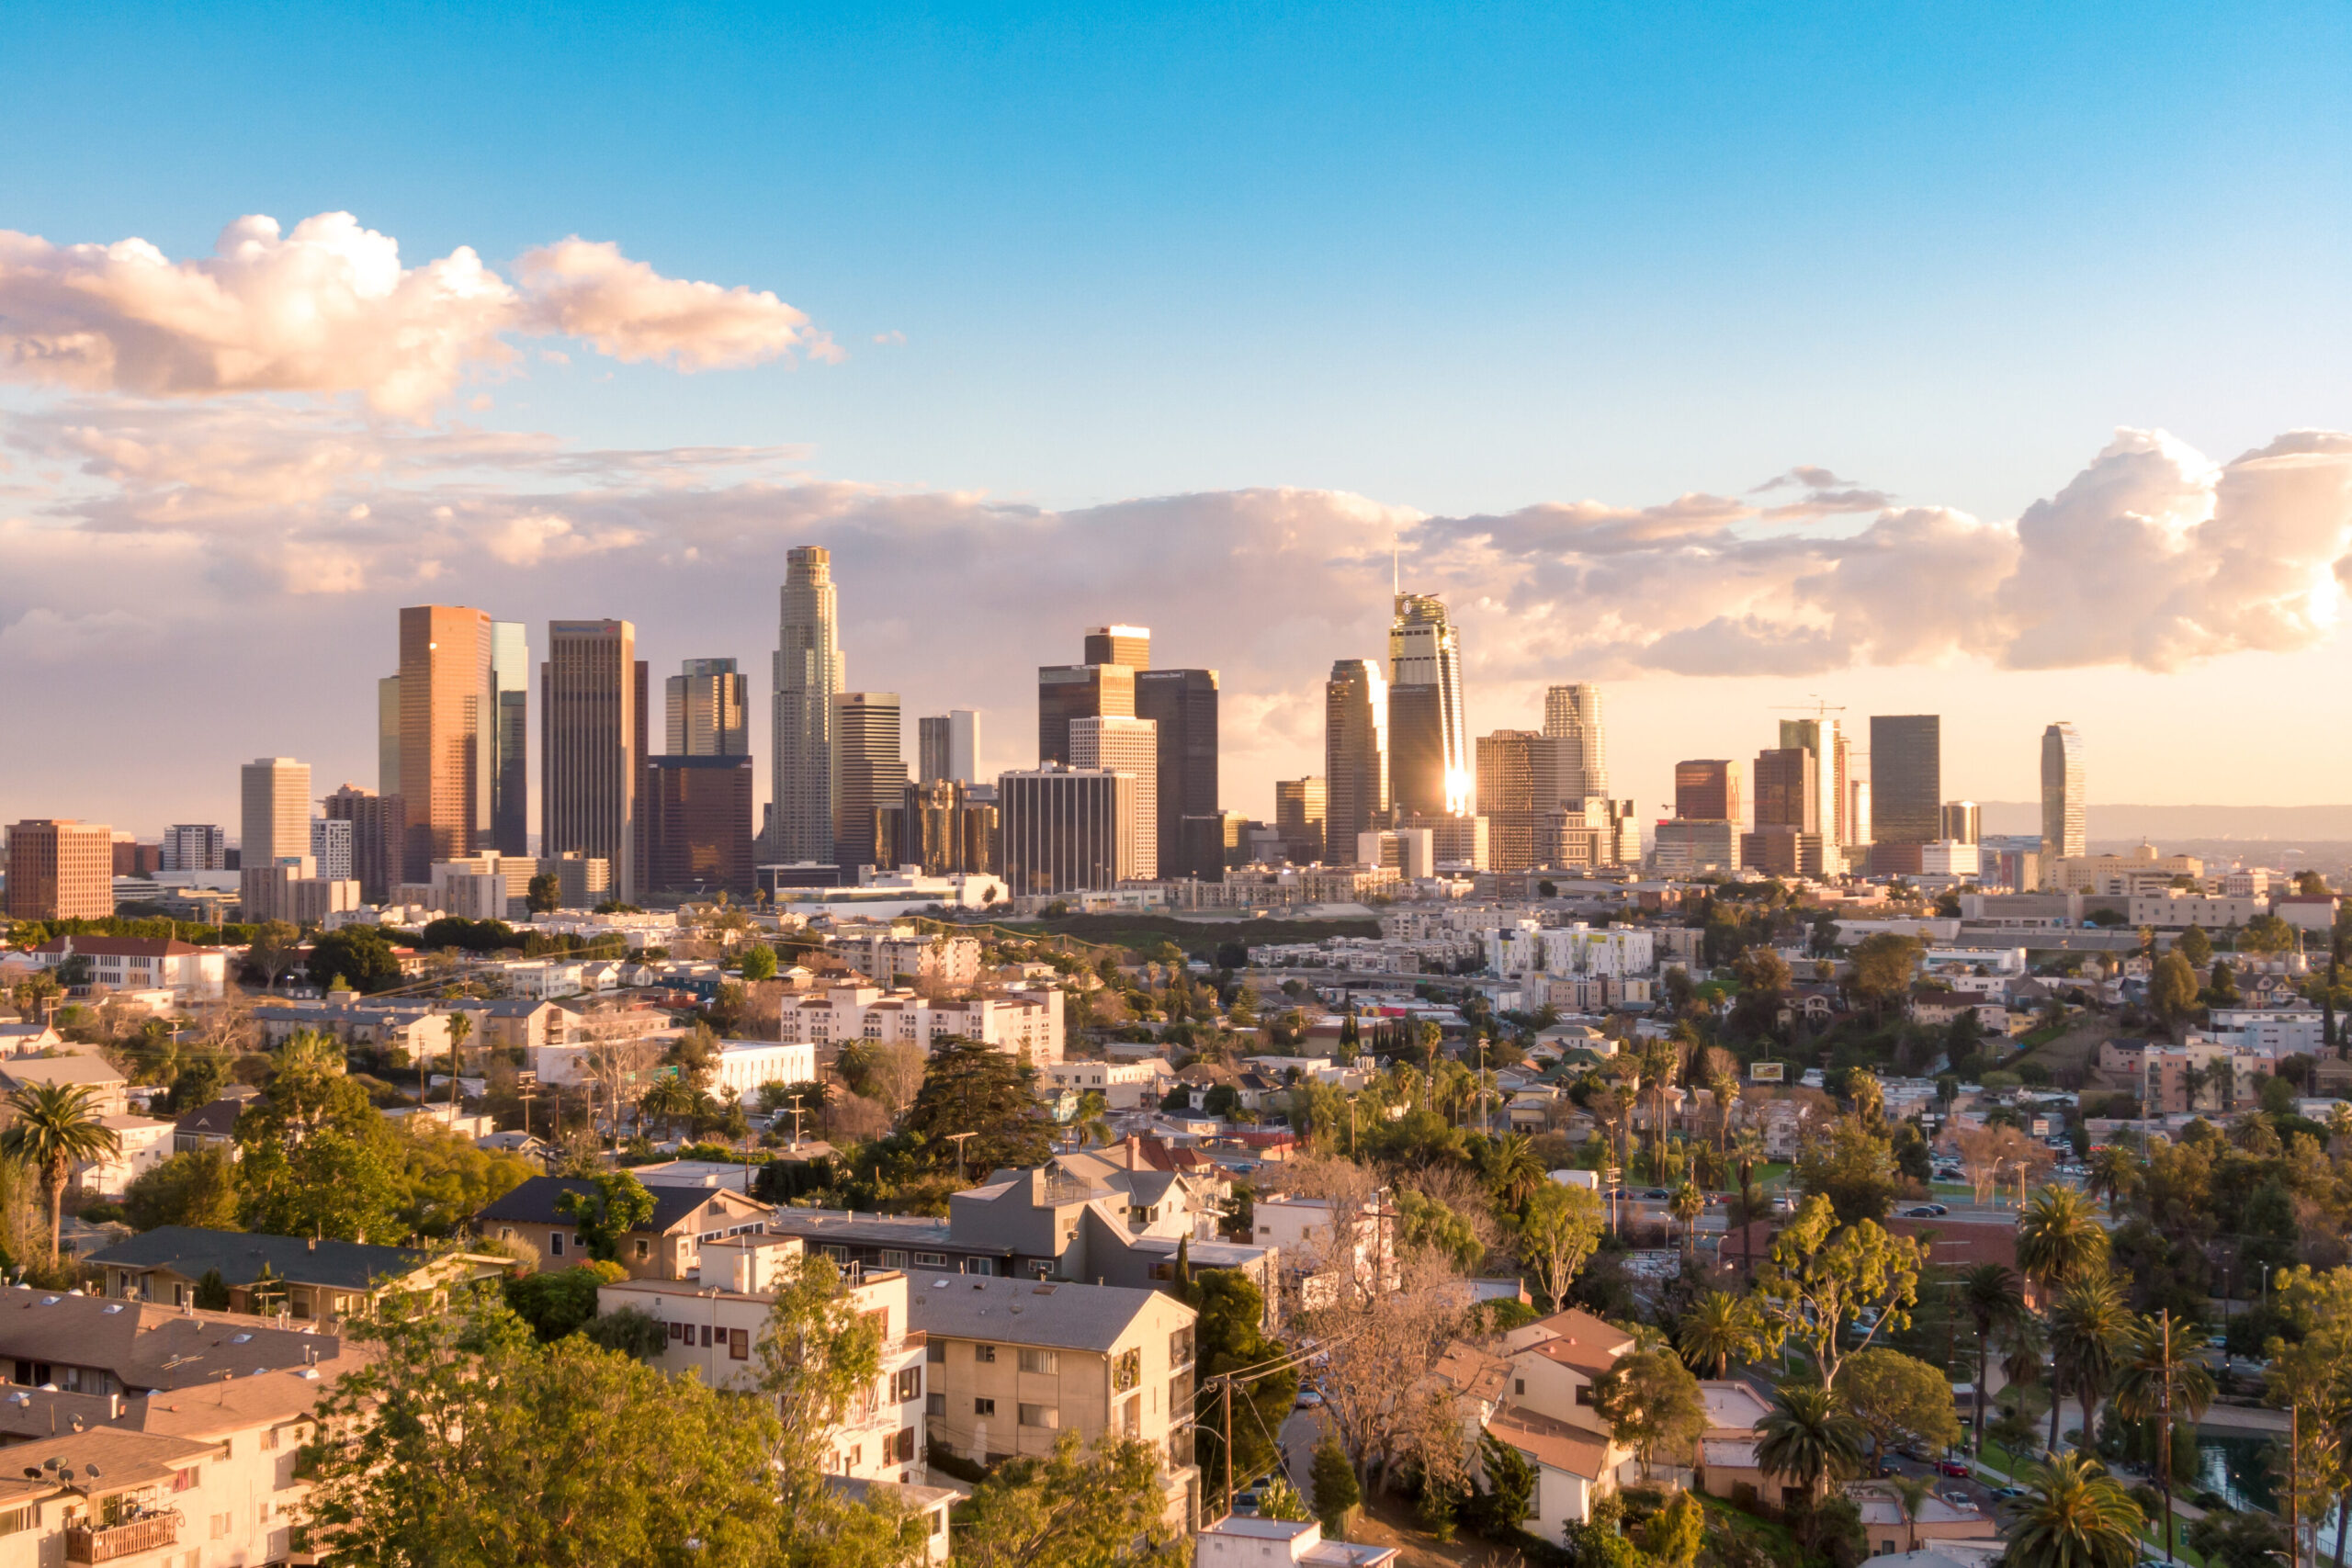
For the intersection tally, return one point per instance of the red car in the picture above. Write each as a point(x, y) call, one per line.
point(1953, 1467)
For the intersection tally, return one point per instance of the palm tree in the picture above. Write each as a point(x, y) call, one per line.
point(460, 1026)
point(55, 1127)
point(1809, 1437)
point(2074, 1515)
point(2022, 1342)
point(2163, 1377)
point(1719, 1328)
point(1093, 1117)
point(1912, 1492)
point(2115, 1171)
point(1686, 1204)
point(1512, 1170)
point(2059, 1239)
point(1726, 1087)
point(668, 1098)
point(1992, 1300)
point(2088, 1330)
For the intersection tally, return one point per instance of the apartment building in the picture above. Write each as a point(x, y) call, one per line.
point(1012, 1364)
point(60, 869)
point(143, 964)
point(888, 958)
point(1027, 1022)
point(1123, 1086)
point(714, 1322)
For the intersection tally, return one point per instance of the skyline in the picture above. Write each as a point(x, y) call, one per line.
point(1714, 393)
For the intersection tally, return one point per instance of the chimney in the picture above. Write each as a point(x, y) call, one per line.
point(314, 1244)
point(1133, 1147)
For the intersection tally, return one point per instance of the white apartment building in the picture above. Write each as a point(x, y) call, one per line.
point(889, 958)
point(2174, 909)
point(1528, 947)
point(714, 1322)
point(2272, 1031)
point(1026, 1022)
point(1123, 1086)
point(143, 964)
point(744, 1065)
point(331, 847)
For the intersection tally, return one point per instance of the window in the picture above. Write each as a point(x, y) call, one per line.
point(1040, 1362)
point(904, 1449)
point(739, 1344)
point(1584, 1393)
point(1180, 1347)
point(893, 1259)
point(935, 1351)
point(16, 1520)
point(981, 1266)
point(1046, 1415)
point(270, 1439)
point(185, 1480)
point(1519, 1385)
point(930, 1259)
point(910, 1384)
point(680, 1331)
point(1126, 1370)
point(934, 1405)
point(220, 1523)
point(644, 1248)
point(984, 1407)
point(555, 1244)
point(984, 1353)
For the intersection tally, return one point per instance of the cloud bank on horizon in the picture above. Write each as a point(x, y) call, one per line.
point(166, 492)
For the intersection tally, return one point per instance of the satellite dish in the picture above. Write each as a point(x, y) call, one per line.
point(32, 1472)
point(91, 1471)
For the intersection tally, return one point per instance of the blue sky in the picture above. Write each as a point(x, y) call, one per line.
point(1452, 257)
point(1451, 260)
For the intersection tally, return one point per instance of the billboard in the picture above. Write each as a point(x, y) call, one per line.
point(1766, 1072)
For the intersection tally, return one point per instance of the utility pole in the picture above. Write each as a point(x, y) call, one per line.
point(1229, 1446)
point(2165, 1459)
point(957, 1139)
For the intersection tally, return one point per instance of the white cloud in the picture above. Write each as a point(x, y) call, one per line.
point(331, 309)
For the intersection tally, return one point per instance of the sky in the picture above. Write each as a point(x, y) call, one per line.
point(1973, 360)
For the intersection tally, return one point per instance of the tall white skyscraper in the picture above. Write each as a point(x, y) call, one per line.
point(331, 846)
point(2065, 803)
point(1573, 713)
point(1114, 744)
point(277, 818)
point(1821, 735)
point(809, 675)
point(1430, 760)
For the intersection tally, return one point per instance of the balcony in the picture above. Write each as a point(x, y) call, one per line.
point(109, 1543)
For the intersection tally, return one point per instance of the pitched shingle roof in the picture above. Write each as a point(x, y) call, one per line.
point(534, 1202)
point(242, 1255)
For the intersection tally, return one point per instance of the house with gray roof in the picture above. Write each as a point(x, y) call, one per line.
point(667, 1247)
point(311, 1280)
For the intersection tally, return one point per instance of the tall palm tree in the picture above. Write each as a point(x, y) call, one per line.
point(54, 1128)
point(2163, 1378)
point(2115, 1171)
point(2074, 1515)
point(1719, 1328)
point(2088, 1331)
point(1686, 1204)
point(1725, 1086)
point(2059, 1239)
point(1912, 1492)
point(2022, 1341)
point(1991, 1296)
point(1093, 1117)
point(1512, 1170)
point(1809, 1437)
point(460, 1026)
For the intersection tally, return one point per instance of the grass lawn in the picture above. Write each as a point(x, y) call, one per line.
point(1727, 1523)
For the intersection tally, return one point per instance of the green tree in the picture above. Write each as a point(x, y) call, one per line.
point(1336, 1488)
point(199, 1083)
point(817, 1354)
point(1883, 964)
point(318, 1158)
point(2195, 948)
point(2088, 1330)
point(1229, 1337)
point(1720, 1328)
point(362, 955)
point(631, 1331)
point(1994, 1302)
point(211, 1294)
point(463, 1441)
point(554, 1302)
point(1853, 1167)
point(759, 961)
point(969, 1087)
point(545, 893)
point(615, 1204)
point(1821, 1274)
point(1809, 1437)
point(2162, 1378)
point(197, 1188)
point(272, 950)
point(2074, 1515)
point(445, 1180)
point(1506, 1494)
point(1686, 1204)
point(1279, 1500)
point(53, 1128)
point(1898, 1399)
point(2172, 986)
point(1672, 1536)
point(1511, 1171)
point(1077, 1507)
point(2060, 1238)
point(1557, 1232)
point(1651, 1401)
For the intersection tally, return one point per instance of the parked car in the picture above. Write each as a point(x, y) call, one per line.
point(2006, 1493)
point(1308, 1400)
point(1952, 1467)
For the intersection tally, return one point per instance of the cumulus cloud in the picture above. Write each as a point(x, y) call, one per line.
point(330, 308)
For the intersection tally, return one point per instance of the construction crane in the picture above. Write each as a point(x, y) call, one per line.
point(1815, 707)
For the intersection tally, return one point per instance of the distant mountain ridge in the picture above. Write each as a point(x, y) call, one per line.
point(2286, 824)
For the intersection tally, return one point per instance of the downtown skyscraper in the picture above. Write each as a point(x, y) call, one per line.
point(1572, 713)
point(808, 677)
point(595, 730)
point(1429, 730)
point(2065, 810)
point(448, 715)
point(1355, 757)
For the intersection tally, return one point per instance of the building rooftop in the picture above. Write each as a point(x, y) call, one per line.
point(534, 1202)
point(241, 1257)
point(1031, 1311)
point(1572, 1450)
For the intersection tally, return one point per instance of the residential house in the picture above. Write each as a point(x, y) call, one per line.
point(311, 1279)
point(213, 1125)
point(1015, 1363)
point(1888, 1528)
point(142, 1144)
point(667, 1247)
point(1548, 1414)
point(108, 1089)
point(1726, 1463)
point(143, 964)
point(714, 1322)
point(1324, 1244)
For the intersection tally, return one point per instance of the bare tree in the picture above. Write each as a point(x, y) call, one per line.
point(1382, 1345)
point(1456, 1187)
point(618, 1062)
point(896, 1074)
